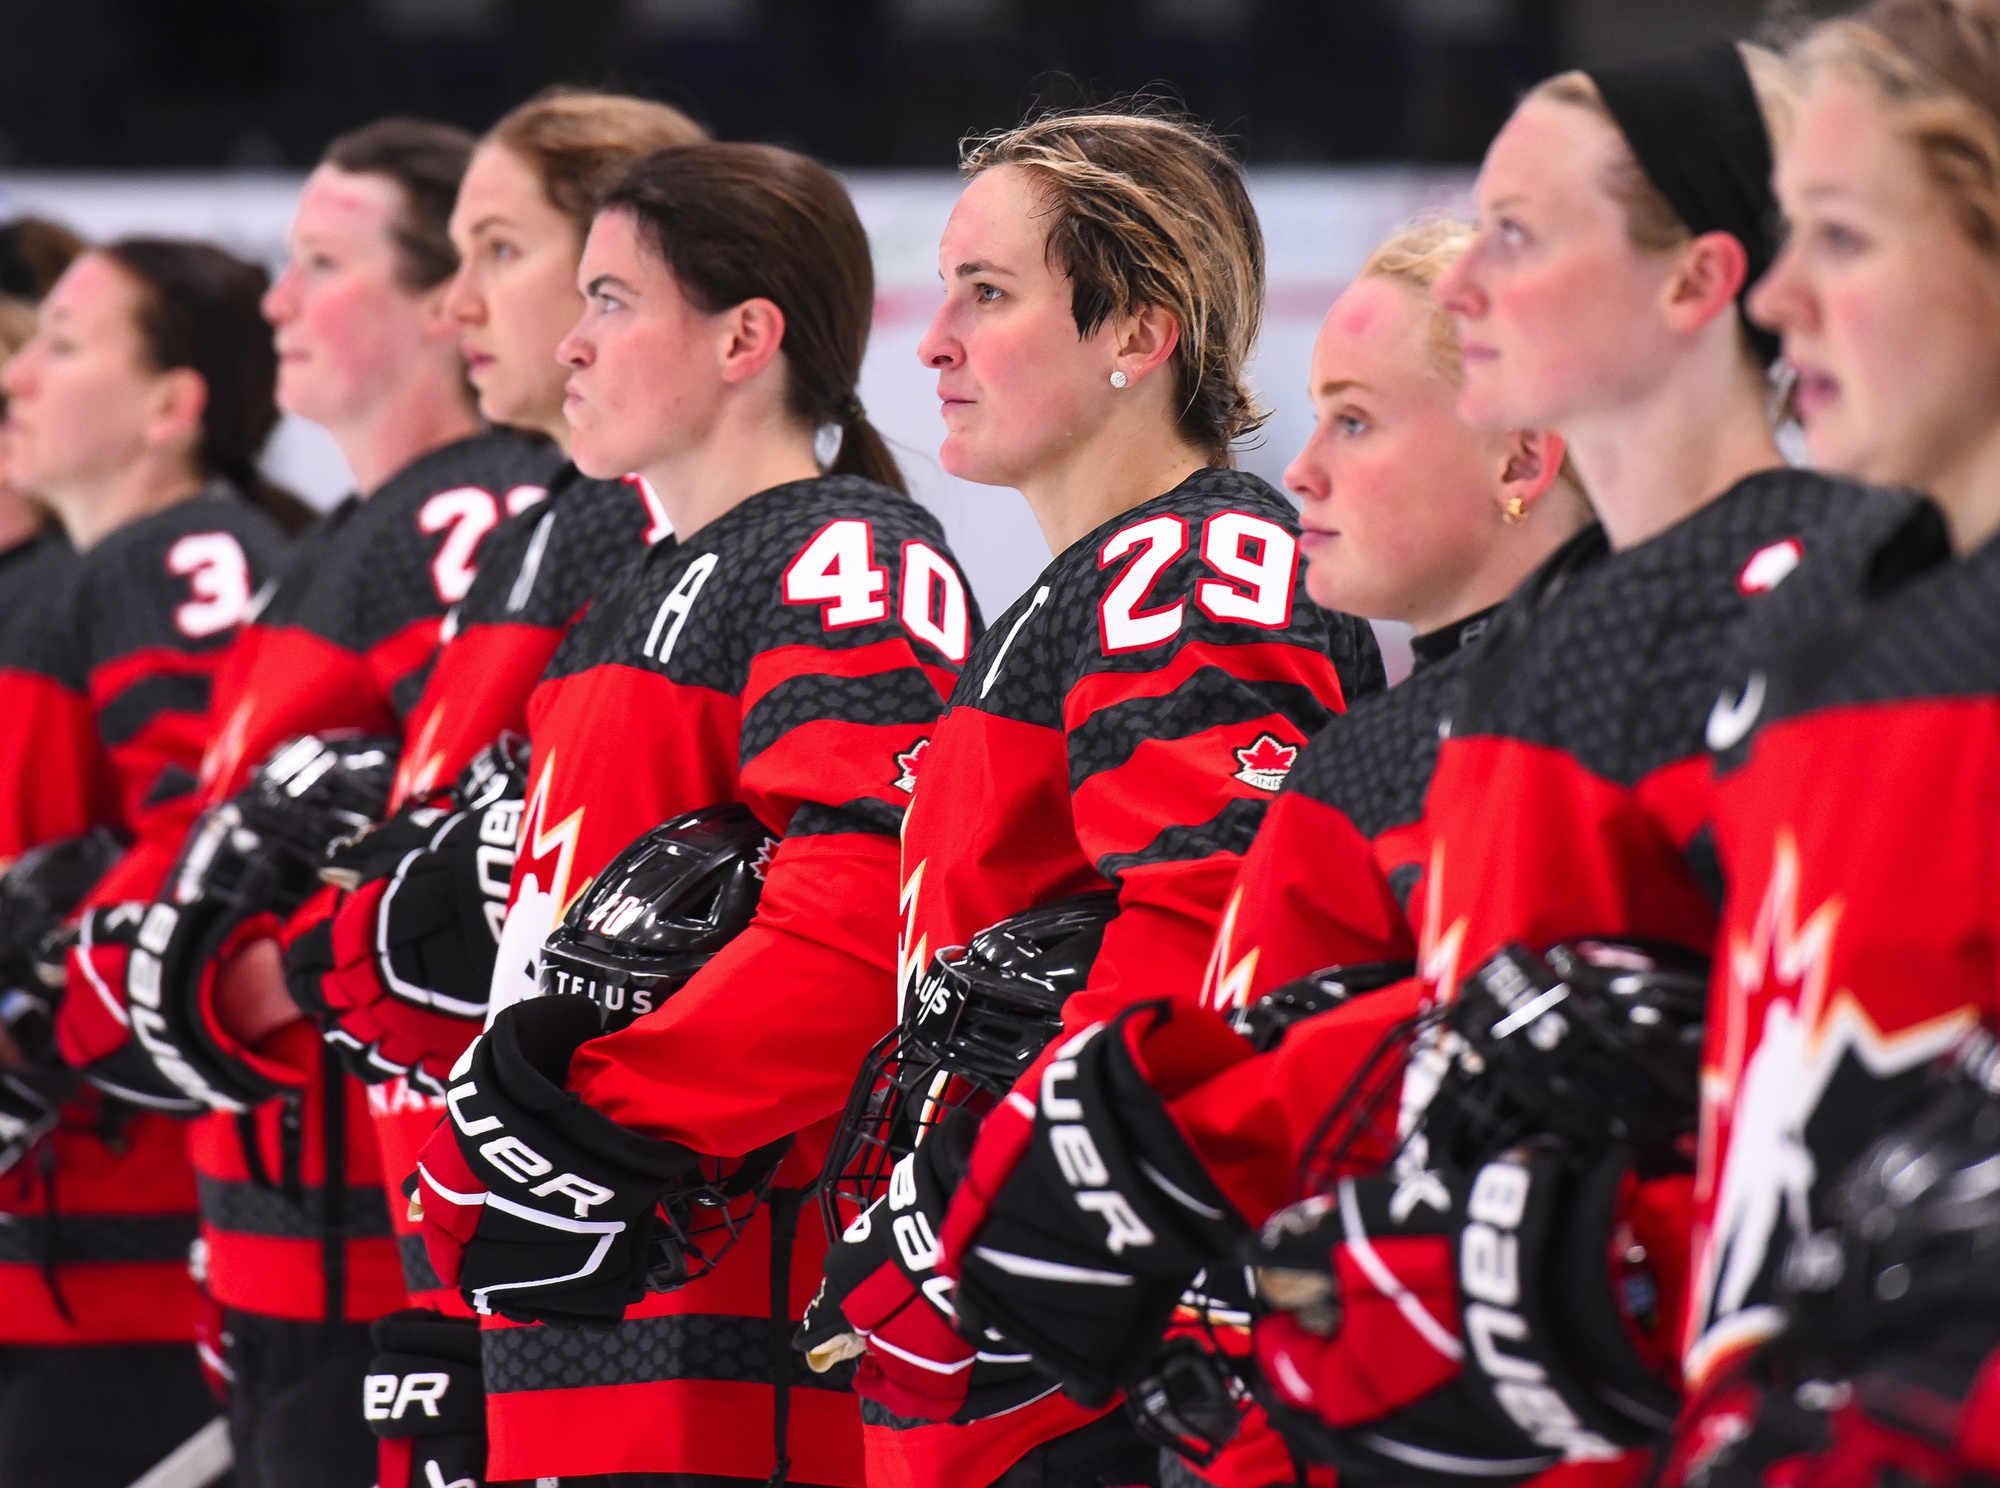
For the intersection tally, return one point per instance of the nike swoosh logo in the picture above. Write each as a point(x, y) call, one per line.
point(1729, 722)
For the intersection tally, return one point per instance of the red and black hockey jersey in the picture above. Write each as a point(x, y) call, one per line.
point(1571, 795)
point(294, 1215)
point(1125, 724)
point(792, 655)
point(1858, 779)
point(537, 573)
point(104, 680)
point(1331, 877)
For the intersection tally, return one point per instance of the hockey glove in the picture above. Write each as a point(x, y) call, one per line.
point(425, 1398)
point(1444, 1330)
point(1085, 1214)
point(534, 1205)
point(246, 865)
point(883, 1293)
point(398, 976)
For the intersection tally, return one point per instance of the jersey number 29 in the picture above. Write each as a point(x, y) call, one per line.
point(1257, 560)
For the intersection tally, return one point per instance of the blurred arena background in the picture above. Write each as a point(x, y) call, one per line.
point(199, 117)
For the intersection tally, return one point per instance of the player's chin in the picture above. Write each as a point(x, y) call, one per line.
point(597, 458)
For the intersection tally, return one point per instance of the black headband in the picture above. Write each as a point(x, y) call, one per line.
point(1694, 124)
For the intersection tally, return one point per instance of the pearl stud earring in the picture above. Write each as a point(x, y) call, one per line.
point(1118, 379)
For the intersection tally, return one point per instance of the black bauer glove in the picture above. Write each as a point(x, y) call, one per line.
point(424, 1397)
point(246, 865)
point(534, 1205)
point(1466, 1329)
point(1106, 1215)
point(397, 977)
point(37, 892)
point(885, 1302)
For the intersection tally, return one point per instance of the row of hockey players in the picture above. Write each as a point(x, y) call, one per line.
point(1513, 1203)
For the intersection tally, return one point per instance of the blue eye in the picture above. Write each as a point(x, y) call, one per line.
point(1349, 425)
point(986, 294)
point(1838, 240)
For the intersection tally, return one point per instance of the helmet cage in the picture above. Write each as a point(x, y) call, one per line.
point(1597, 1042)
point(972, 1024)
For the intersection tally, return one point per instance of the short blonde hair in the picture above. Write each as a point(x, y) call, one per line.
point(1151, 210)
point(1934, 69)
point(1418, 256)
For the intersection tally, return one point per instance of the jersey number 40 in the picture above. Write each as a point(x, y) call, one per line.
point(837, 570)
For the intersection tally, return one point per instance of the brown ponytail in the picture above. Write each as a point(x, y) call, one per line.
point(736, 222)
point(198, 308)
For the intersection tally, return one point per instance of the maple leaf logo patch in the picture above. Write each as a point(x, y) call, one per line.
point(908, 762)
point(765, 850)
point(1266, 763)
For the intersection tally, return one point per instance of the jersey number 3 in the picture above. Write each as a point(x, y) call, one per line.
point(1257, 561)
point(837, 570)
point(218, 578)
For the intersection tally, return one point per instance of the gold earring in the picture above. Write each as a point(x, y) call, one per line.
point(1515, 512)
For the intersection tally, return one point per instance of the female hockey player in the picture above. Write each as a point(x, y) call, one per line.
point(136, 412)
point(295, 1226)
point(1855, 749)
point(789, 652)
point(398, 975)
point(1408, 515)
point(518, 227)
point(1126, 723)
point(32, 544)
point(1624, 214)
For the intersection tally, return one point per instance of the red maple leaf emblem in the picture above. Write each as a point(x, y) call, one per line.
point(908, 763)
point(1266, 762)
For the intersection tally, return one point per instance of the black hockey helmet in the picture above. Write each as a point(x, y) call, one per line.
point(973, 1022)
point(1266, 1021)
point(1595, 1042)
point(658, 911)
point(1915, 1236)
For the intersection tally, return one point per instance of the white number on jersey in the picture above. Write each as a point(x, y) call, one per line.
point(1261, 557)
point(661, 524)
point(465, 514)
point(837, 569)
point(1126, 627)
point(1257, 559)
point(218, 578)
point(934, 601)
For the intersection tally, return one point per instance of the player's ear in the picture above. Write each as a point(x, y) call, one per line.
point(1144, 339)
point(752, 333)
point(179, 399)
point(1530, 461)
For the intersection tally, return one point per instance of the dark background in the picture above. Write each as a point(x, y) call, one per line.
point(144, 84)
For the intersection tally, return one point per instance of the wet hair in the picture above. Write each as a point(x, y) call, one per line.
point(736, 222)
point(1149, 209)
point(425, 161)
point(199, 309)
point(1933, 67)
point(577, 143)
point(1651, 223)
point(33, 254)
